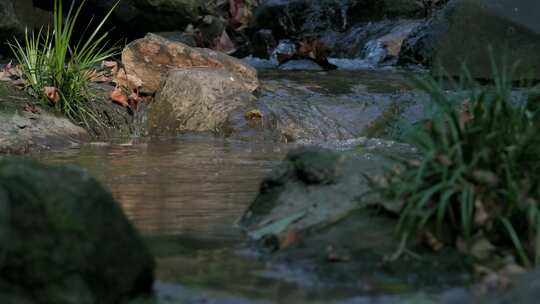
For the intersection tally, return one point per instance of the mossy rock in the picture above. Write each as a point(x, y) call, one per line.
point(465, 30)
point(65, 240)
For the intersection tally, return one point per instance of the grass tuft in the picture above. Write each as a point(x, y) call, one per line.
point(479, 167)
point(49, 58)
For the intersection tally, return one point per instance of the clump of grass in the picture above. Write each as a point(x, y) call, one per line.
point(49, 58)
point(478, 171)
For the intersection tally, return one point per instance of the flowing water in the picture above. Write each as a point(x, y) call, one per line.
point(184, 195)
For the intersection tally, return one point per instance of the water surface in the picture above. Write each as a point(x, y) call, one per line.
point(190, 186)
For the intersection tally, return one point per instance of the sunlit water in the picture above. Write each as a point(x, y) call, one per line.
point(190, 186)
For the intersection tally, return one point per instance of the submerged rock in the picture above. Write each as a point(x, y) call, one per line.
point(65, 240)
point(464, 30)
point(151, 58)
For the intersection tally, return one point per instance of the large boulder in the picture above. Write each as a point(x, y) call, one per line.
point(151, 58)
point(65, 240)
point(464, 30)
point(199, 99)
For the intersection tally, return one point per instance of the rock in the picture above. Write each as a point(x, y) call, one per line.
point(151, 58)
point(385, 49)
point(263, 44)
point(300, 65)
point(463, 31)
point(285, 50)
point(135, 18)
point(22, 131)
point(323, 183)
point(15, 16)
point(312, 219)
point(295, 18)
point(199, 99)
point(65, 240)
point(185, 38)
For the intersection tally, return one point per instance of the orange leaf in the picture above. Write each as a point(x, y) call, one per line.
point(118, 97)
point(52, 94)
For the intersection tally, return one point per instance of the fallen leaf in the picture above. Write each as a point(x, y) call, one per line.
point(4, 76)
point(335, 256)
point(224, 44)
point(52, 94)
point(277, 227)
point(118, 96)
point(135, 99)
point(482, 248)
point(31, 109)
point(109, 65)
point(253, 114)
point(433, 242)
point(444, 160)
point(132, 82)
point(492, 282)
point(481, 216)
point(292, 237)
point(486, 177)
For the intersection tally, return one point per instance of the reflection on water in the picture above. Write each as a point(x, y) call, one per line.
point(194, 186)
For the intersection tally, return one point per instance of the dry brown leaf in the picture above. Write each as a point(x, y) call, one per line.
point(481, 216)
point(482, 248)
point(334, 256)
point(31, 108)
point(118, 97)
point(461, 246)
point(292, 237)
point(254, 114)
point(96, 76)
point(224, 44)
point(135, 99)
point(486, 177)
point(433, 242)
point(444, 160)
point(109, 65)
point(132, 82)
point(52, 94)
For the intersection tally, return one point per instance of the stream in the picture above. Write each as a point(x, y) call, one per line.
point(184, 194)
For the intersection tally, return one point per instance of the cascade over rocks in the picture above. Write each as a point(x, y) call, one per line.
point(65, 240)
